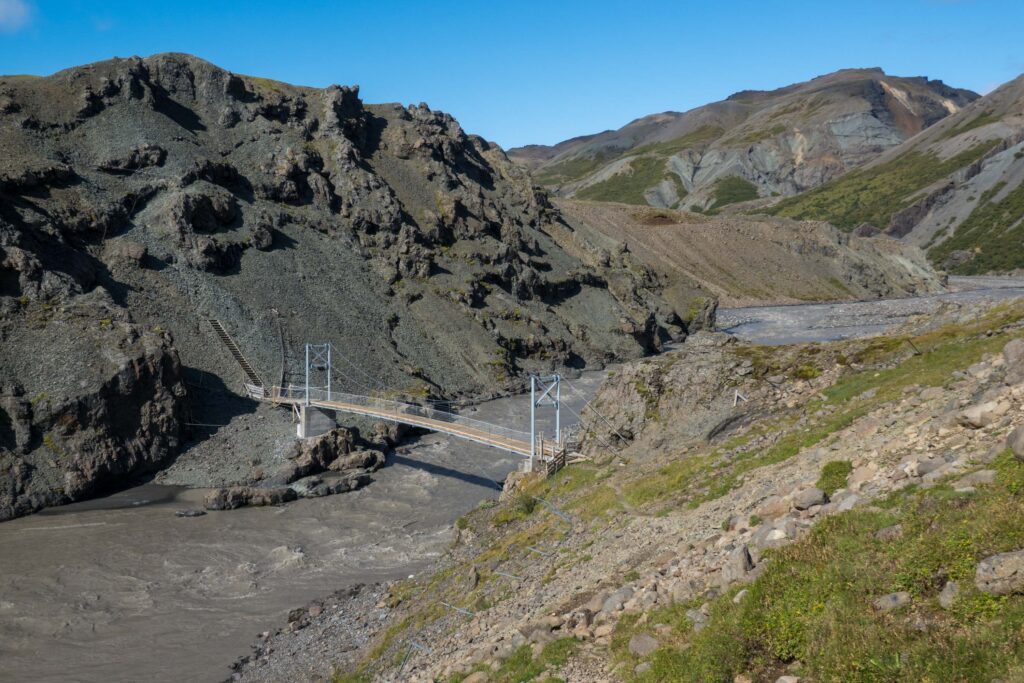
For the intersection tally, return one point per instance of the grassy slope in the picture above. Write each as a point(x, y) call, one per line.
point(994, 232)
point(813, 603)
point(628, 188)
point(647, 169)
point(873, 195)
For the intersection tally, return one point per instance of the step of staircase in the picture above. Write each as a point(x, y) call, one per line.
point(236, 353)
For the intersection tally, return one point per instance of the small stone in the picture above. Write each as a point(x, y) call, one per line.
point(787, 679)
point(698, 618)
point(892, 601)
point(1001, 574)
point(643, 644)
point(948, 594)
point(738, 598)
point(642, 668)
point(189, 513)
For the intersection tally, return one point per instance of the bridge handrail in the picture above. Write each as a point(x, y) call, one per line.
point(397, 409)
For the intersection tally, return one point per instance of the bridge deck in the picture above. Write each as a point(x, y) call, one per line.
point(398, 412)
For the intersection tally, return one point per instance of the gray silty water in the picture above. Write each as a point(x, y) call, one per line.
point(792, 324)
point(119, 589)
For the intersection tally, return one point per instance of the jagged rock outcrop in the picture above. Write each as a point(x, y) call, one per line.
point(177, 191)
point(96, 403)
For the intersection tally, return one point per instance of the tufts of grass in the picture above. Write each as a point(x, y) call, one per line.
point(570, 169)
point(812, 605)
point(834, 475)
point(982, 119)
point(521, 666)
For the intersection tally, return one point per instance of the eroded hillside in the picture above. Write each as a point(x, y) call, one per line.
point(956, 190)
point(753, 260)
point(753, 144)
point(141, 197)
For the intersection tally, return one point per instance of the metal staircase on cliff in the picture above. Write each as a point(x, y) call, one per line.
point(250, 372)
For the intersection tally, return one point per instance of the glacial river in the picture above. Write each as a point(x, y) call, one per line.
point(120, 589)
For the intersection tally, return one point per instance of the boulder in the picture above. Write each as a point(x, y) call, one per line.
point(982, 414)
point(1013, 355)
point(616, 600)
point(240, 496)
point(643, 644)
point(737, 565)
point(808, 498)
point(698, 618)
point(1001, 574)
point(981, 477)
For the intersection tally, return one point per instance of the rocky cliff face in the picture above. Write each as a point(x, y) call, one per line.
point(166, 190)
point(88, 402)
point(754, 144)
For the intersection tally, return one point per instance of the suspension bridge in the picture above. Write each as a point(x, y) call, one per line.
point(317, 393)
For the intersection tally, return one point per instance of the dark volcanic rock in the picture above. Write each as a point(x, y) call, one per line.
point(171, 191)
point(112, 408)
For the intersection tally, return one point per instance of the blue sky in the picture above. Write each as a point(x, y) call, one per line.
point(528, 71)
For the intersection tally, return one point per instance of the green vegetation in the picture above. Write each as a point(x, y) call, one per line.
point(696, 478)
point(628, 187)
point(731, 190)
point(873, 195)
point(570, 169)
point(522, 667)
point(698, 138)
point(833, 476)
point(812, 607)
point(982, 119)
point(994, 233)
point(521, 508)
point(757, 135)
point(580, 167)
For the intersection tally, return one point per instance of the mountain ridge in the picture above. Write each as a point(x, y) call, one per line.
point(780, 141)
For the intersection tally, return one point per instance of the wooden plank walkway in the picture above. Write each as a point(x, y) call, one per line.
point(477, 434)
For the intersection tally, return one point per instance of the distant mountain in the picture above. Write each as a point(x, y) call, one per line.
point(753, 144)
point(956, 189)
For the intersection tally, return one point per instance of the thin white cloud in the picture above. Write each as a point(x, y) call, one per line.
point(14, 15)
